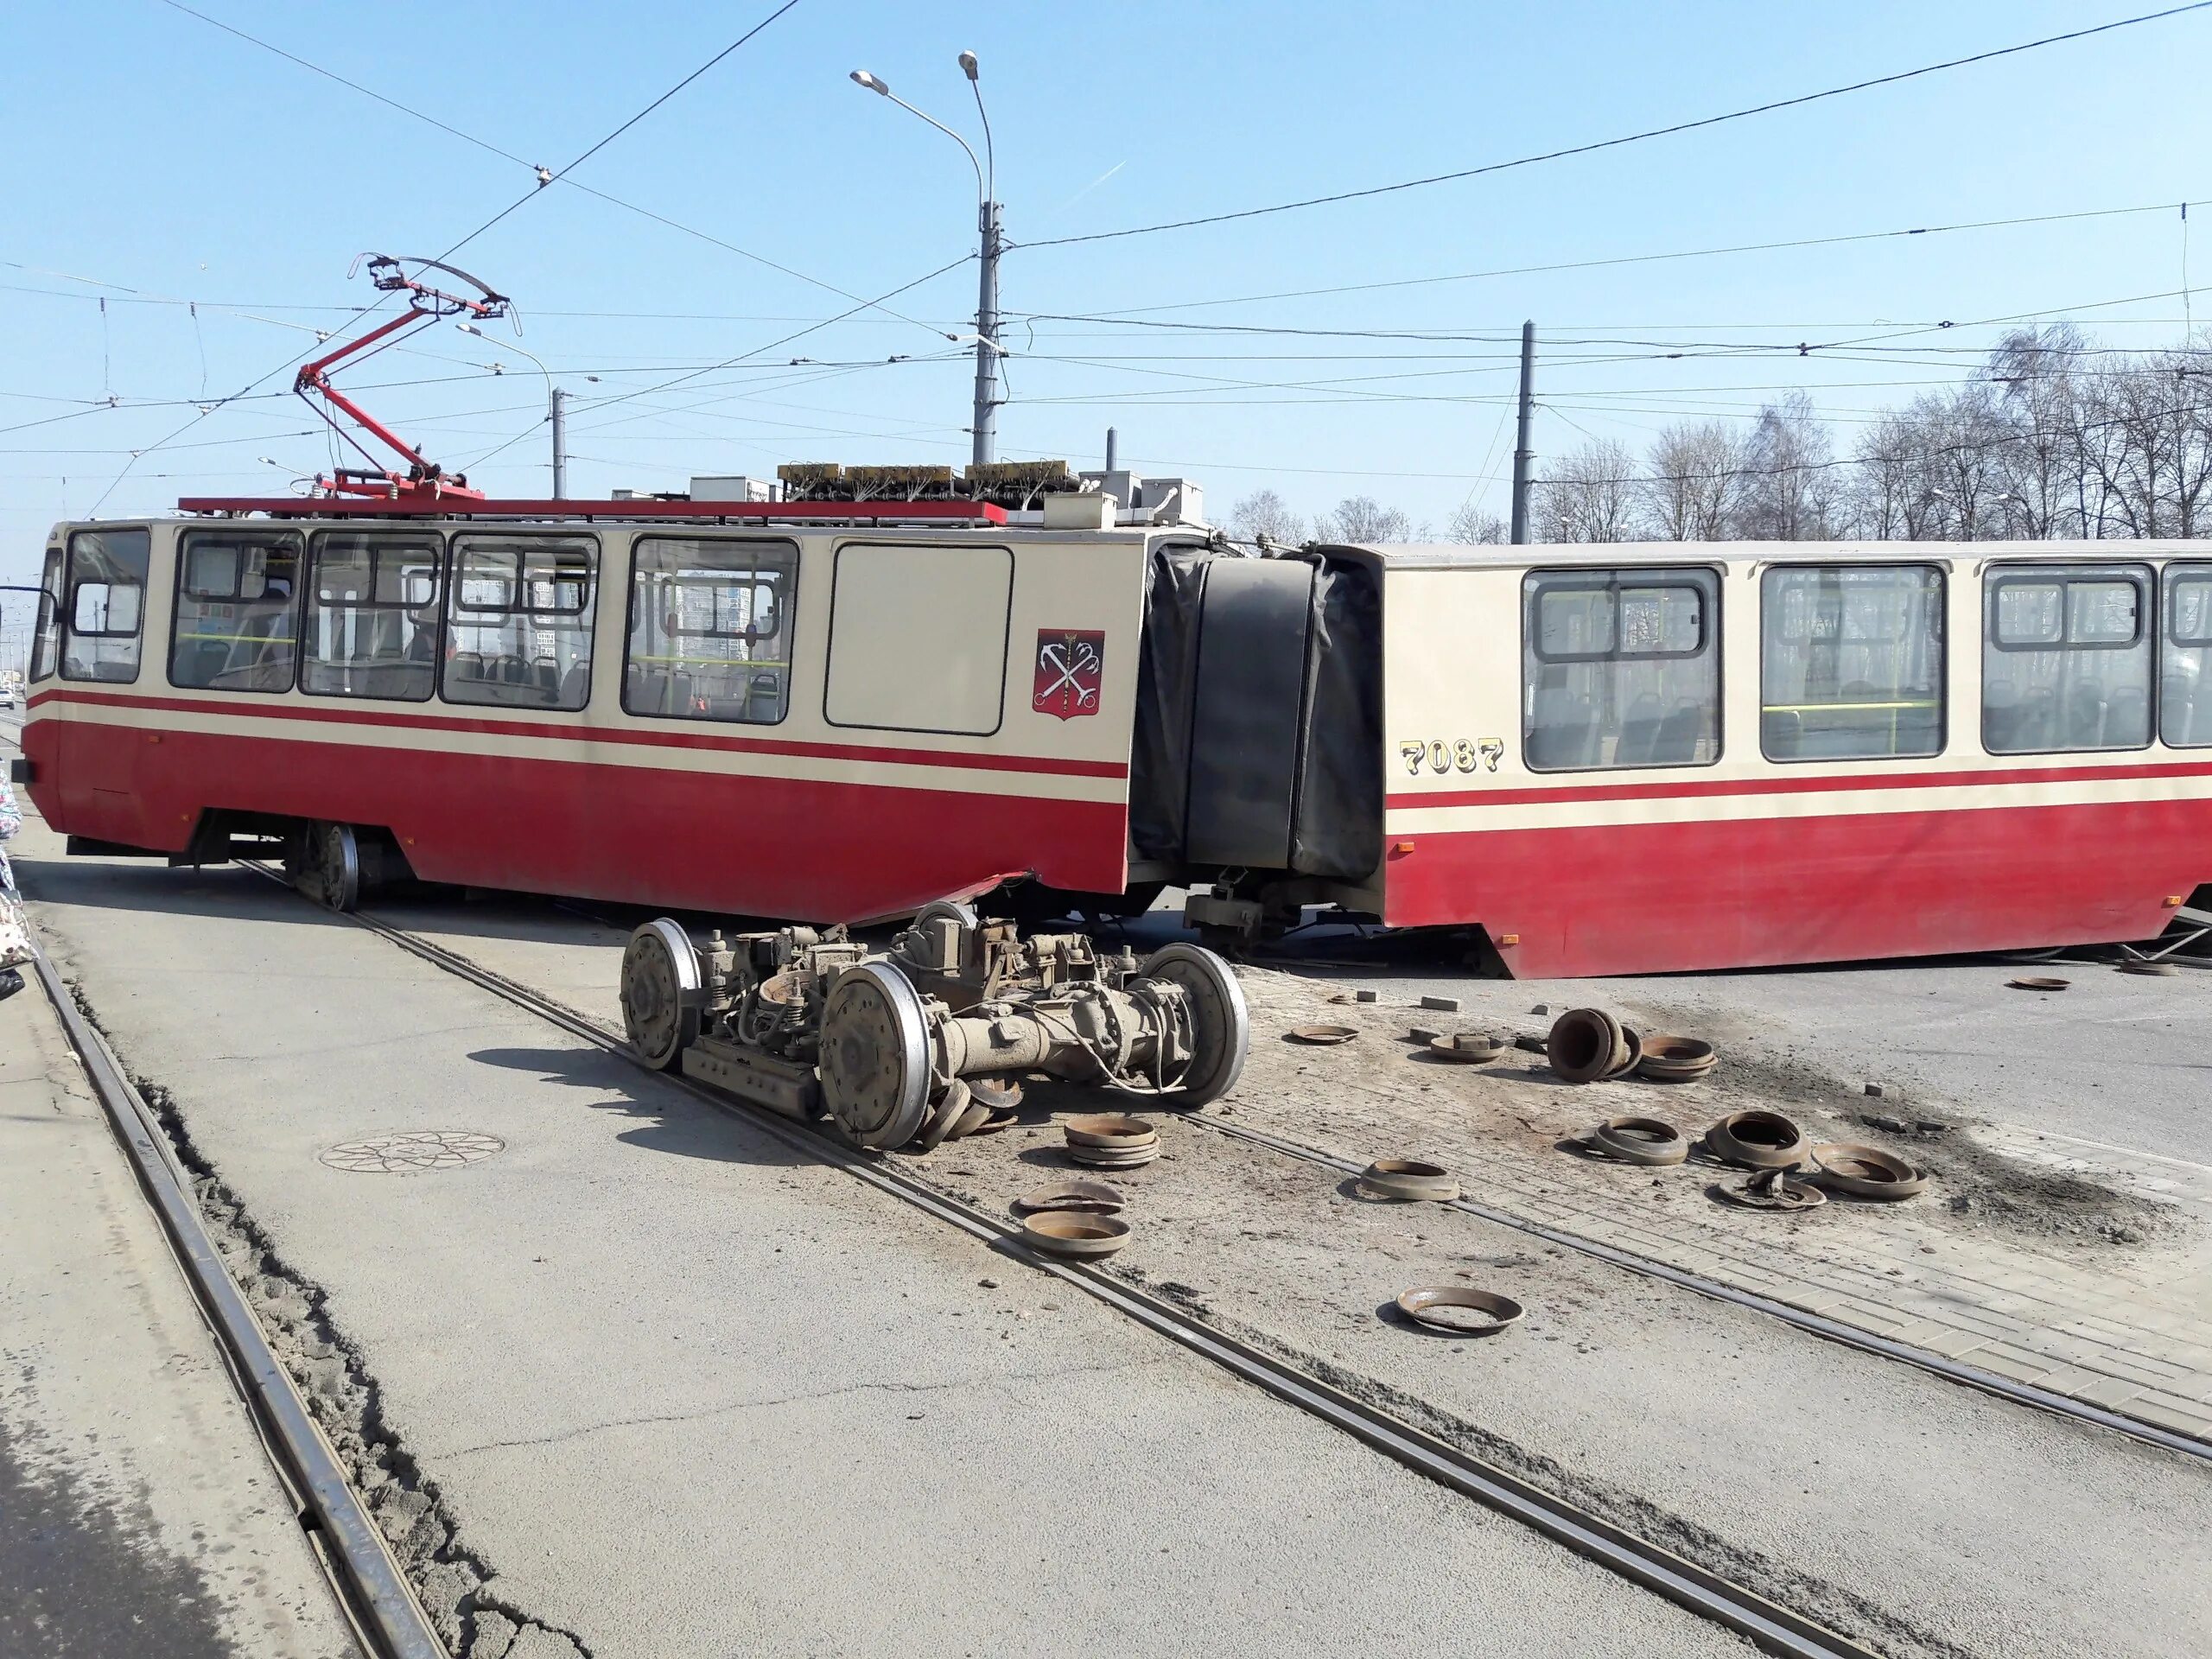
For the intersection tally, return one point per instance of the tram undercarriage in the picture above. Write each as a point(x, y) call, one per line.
point(926, 1041)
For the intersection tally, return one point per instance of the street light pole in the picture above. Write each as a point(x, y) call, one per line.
point(985, 419)
point(553, 395)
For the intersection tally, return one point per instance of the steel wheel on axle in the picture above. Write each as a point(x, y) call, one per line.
point(660, 993)
point(875, 1067)
point(1221, 1029)
point(335, 857)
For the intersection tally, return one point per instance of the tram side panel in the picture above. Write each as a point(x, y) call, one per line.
point(1698, 804)
point(929, 742)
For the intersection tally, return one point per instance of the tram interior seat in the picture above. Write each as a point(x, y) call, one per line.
point(2127, 718)
point(1563, 733)
point(2187, 702)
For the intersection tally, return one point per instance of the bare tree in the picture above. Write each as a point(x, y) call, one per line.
point(1361, 520)
point(1697, 482)
point(1791, 491)
point(1265, 513)
point(1588, 496)
point(1470, 524)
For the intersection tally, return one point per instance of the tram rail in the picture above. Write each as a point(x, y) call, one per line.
point(1770, 1626)
point(371, 1587)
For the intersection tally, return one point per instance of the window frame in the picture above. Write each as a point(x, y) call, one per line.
point(65, 628)
point(1005, 638)
point(788, 615)
point(2144, 574)
point(587, 613)
point(53, 579)
point(263, 534)
point(2173, 571)
point(311, 590)
point(1711, 638)
point(1943, 672)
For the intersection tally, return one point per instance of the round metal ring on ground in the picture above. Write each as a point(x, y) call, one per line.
point(1425, 1303)
point(1466, 1047)
point(946, 1118)
point(1584, 1045)
point(1669, 1058)
point(1094, 1196)
point(1631, 1052)
point(1775, 1189)
point(1320, 1034)
point(1758, 1140)
point(2038, 982)
point(1409, 1180)
point(1110, 1133)
point(1000, 1094)
point(1866, 1171)
point(660, 993)
point(875, 1067)
point(413, 1152)
point(1067, 1232)
point(1221, 1025)
point(1105, 1158)
point(2155, 969)
point(1645, 1140)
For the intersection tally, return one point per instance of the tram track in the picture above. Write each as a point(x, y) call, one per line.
point(1770, 1626)
point(370, 1587)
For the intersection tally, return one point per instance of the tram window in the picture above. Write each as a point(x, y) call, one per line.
point(518, 622)
point(2068, 663)
point(1851, 662)
point(45, 634)
point(237, 611)
point(103, 610)
point(918, 638)
point(710, 629)
point(1620, 669)
point(2185, 658)
point(373, 615)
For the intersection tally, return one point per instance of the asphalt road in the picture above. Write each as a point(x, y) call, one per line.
point(684, 1395)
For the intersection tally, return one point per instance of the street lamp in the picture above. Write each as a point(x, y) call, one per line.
point(985, 427)
point(554, 396)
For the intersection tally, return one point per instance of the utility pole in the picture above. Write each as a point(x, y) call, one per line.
point(560, 448)
point(1522, 454)
point(987, 342)
point(1112, 449)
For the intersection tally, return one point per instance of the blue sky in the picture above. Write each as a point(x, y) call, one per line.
point(156, 153)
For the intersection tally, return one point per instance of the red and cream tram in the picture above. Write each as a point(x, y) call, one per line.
point(1608, 759)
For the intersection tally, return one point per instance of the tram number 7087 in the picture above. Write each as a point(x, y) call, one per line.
point(1447, 754)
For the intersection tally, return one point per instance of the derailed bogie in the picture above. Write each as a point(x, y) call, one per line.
point(887, 1043)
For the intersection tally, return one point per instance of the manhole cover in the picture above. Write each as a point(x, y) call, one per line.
point(413, 1151)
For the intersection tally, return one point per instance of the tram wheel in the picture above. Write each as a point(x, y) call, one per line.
point(876, 1066)
point(335, 861)
point(1221, 1028)
point(660, 993)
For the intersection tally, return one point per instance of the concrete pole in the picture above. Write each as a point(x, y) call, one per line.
point(1111, 447)
point(560, 448)
point(987, 336)
point(1522, 454)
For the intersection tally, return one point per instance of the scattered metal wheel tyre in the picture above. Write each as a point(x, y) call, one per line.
point(1000, 1094)
point(1466, 1048)
point(1073, 1233)
point(660, 993)
point(2037, 983)
point(1759, 1139)
point(1095, 1197)
point(1221, 1026)
point(1866, 1171)
point(1408, 1181)
point(946, 1118)
point(1669, 1058)
point(1631, 1052)
point(2153, 969)
point(875, 1069)
point(1646, 1140)
point(1421, 1304)
point(1775, 1189)
point(1584, 1045)
point(1321, 1034)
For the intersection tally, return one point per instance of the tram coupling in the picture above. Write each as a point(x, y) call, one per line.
point(888, 1043)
